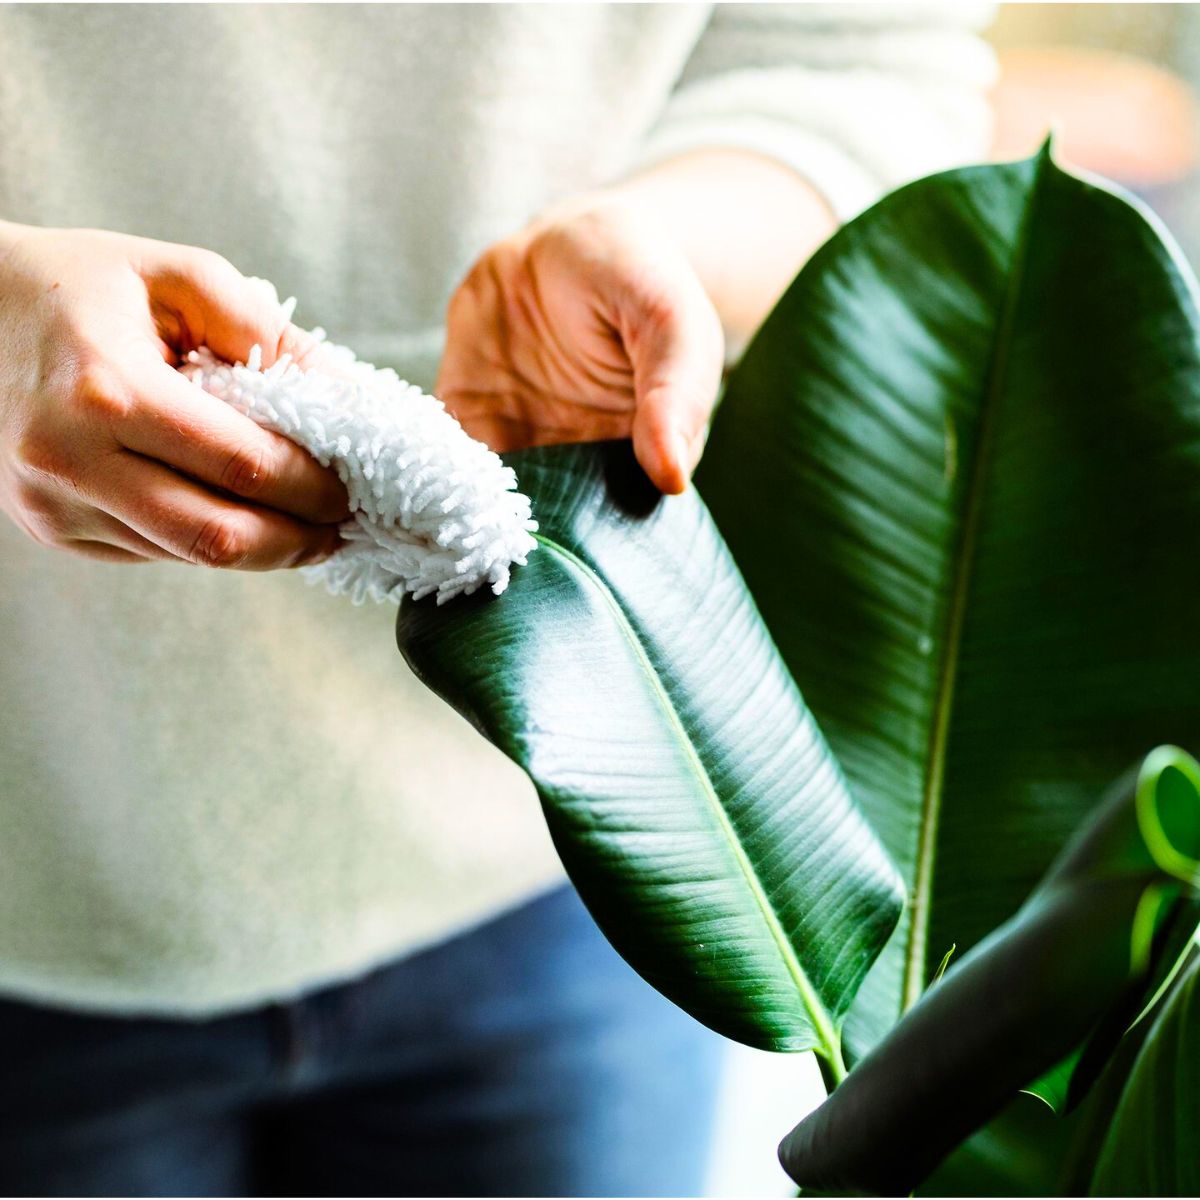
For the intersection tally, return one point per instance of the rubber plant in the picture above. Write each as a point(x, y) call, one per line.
point(689, 791)
point(958, 470)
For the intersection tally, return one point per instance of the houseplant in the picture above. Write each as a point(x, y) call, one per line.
point(958, 471)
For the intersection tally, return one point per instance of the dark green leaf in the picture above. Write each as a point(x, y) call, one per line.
point(960, 470)
point(1020, 1153)
point(1081, 945)
point(1153, 1143)
point(692, 798)
point(1064, 1086)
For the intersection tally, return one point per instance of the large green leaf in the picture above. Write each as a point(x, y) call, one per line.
point(959, 468)
point(1084, 943)
point(692, 798)
point(1019, 1153)
point(1152, 1147)
point(1066, 1084)
point(1047, 1149)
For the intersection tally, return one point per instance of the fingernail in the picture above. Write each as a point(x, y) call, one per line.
point(683, 456)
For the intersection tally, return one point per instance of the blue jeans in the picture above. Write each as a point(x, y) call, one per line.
point(521, 1058)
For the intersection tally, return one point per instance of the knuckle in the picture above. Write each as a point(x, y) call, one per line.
point(487, 273)
point(33, 500)
point(246, 471)
point(189, 270)
point(43, 519)
point(600, 230)
point(221, 542)
point(98, 393)
point(473, 282)
point(659, 309)
point(209, 267)
point(484, 262)
point(202, 275)
point(45, 453)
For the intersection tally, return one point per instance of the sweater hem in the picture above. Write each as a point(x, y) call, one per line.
point(184, 1000)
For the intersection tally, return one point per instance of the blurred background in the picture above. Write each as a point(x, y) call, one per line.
point(1119, 83)
point(1120, 86)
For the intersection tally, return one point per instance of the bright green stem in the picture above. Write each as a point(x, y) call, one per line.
point(833, 1065)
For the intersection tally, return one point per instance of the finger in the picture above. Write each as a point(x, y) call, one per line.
point(677, 353)
point(58, 517)
point(176, 422)
point(105, 552)
point(107, 530)
point(202, 527)
point(215, 305)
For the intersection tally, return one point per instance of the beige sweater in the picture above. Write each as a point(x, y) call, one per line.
point(221, 788)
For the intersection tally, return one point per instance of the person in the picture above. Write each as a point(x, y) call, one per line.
point(272, 918)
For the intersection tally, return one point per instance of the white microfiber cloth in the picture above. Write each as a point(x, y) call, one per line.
point(433, 510)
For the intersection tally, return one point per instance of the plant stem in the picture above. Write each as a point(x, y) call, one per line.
point(833, 1065)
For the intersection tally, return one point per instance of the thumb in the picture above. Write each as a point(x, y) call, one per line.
point(677, 353)
point(217, 306)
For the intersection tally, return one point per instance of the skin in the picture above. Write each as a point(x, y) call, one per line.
point(105, 450)
point(604, 318)
point(608, 316)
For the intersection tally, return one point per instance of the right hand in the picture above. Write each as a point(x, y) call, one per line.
point(105, 449)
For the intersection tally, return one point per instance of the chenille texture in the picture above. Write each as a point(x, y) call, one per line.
point(433, 512)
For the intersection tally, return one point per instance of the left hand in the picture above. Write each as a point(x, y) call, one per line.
point(589, 324)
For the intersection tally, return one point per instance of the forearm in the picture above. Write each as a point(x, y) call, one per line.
point(746, 223)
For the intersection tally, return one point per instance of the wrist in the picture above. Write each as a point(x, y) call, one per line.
point(745, 222)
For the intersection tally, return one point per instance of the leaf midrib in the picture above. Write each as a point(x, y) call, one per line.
point(916, 949)
point(822, 1025)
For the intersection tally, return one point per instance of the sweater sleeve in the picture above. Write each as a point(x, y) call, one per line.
point(857, 98)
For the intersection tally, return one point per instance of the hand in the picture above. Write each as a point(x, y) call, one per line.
point(105, 449)
point(589, 324)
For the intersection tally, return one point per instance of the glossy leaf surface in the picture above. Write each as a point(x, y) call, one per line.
point(1084, 943)
point(1153, 1142)
point(960, 470)
point(691, 796)
point(1019, 1153)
